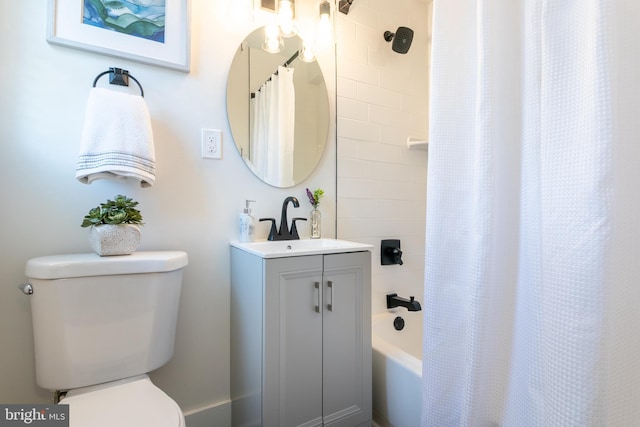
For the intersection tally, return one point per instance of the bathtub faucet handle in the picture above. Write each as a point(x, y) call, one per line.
point(390, 252)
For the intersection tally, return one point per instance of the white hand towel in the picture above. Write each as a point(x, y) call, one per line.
point(117, 139)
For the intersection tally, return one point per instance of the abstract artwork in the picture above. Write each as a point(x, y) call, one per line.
point(139, 18)
point(149, 31)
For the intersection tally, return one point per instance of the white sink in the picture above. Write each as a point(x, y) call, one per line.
point(288, 248)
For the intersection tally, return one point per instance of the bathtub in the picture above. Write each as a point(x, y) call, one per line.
point(397, 369)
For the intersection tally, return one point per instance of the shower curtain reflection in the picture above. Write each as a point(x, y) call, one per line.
point(272, 129)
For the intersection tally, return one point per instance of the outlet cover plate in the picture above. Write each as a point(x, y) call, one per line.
point(211, 144)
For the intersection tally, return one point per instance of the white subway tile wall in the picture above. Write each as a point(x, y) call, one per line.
point(383, 100)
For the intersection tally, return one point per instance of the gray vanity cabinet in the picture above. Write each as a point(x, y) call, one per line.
point(301, 340)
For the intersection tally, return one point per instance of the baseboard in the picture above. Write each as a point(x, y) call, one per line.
point(216, 414)
point(380, 421)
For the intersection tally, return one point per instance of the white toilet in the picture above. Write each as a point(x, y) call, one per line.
point(100, 324)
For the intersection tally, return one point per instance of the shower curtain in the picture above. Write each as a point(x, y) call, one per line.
point(273, 126)
point(532, 275)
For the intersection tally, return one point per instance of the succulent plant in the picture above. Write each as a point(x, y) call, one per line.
point(120, 210)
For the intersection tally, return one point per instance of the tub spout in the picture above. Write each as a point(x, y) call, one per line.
point(393, 300)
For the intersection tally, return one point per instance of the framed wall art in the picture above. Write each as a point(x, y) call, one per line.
point(150, 31)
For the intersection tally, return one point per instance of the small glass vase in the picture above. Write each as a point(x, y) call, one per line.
point(316, 223)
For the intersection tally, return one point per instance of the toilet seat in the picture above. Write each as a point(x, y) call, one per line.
point(132, 402)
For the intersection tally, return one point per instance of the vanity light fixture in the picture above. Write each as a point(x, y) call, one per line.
point(273, 42)
point(286, 26)
point(324, 31)
point(286, 18)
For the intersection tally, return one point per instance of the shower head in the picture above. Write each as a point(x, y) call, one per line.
point(344, 5)
point(401, 39)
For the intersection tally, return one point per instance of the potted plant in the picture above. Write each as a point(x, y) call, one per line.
point(114, 226)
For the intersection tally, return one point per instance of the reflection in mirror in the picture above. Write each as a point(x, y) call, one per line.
point(278, 110)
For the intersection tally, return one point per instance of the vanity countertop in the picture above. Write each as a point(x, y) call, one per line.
point(289, 248)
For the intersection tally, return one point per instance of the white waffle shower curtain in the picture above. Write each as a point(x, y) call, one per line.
point(532, 279)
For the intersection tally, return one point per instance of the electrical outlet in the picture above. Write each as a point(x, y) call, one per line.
point(211, 144)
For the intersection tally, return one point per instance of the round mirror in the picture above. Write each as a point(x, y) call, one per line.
point(278, 110)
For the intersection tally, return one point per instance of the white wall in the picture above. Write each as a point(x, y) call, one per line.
point(382, 100)
point(193, 206)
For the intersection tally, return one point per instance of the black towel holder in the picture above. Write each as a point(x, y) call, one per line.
point(120, 77)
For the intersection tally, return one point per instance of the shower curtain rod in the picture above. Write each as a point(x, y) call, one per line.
point(286, 64)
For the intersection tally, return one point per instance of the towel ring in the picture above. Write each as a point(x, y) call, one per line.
point(120, 77)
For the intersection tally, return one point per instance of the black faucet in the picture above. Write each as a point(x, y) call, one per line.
point(284, 224)
point(284, 233)
point(393, 300)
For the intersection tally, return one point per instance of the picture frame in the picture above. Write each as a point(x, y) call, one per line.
point(65, 27)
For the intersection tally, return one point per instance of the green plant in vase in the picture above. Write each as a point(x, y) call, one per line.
point(315, 216)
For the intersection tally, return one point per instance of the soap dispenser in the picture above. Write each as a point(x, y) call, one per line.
point(247, 224)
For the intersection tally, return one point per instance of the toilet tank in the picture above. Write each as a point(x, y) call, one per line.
point(98, 319)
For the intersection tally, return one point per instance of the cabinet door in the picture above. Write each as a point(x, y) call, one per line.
point(293, 342)
point(346, 339)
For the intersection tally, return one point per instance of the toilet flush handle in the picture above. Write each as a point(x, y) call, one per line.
point(26, 288)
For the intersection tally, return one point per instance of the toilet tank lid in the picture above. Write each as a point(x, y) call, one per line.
point(91, 264)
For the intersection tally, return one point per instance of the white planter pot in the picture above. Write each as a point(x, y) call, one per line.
point(120, 239)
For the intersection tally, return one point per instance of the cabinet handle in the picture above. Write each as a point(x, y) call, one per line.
point(330, 286)
point(317, 306)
